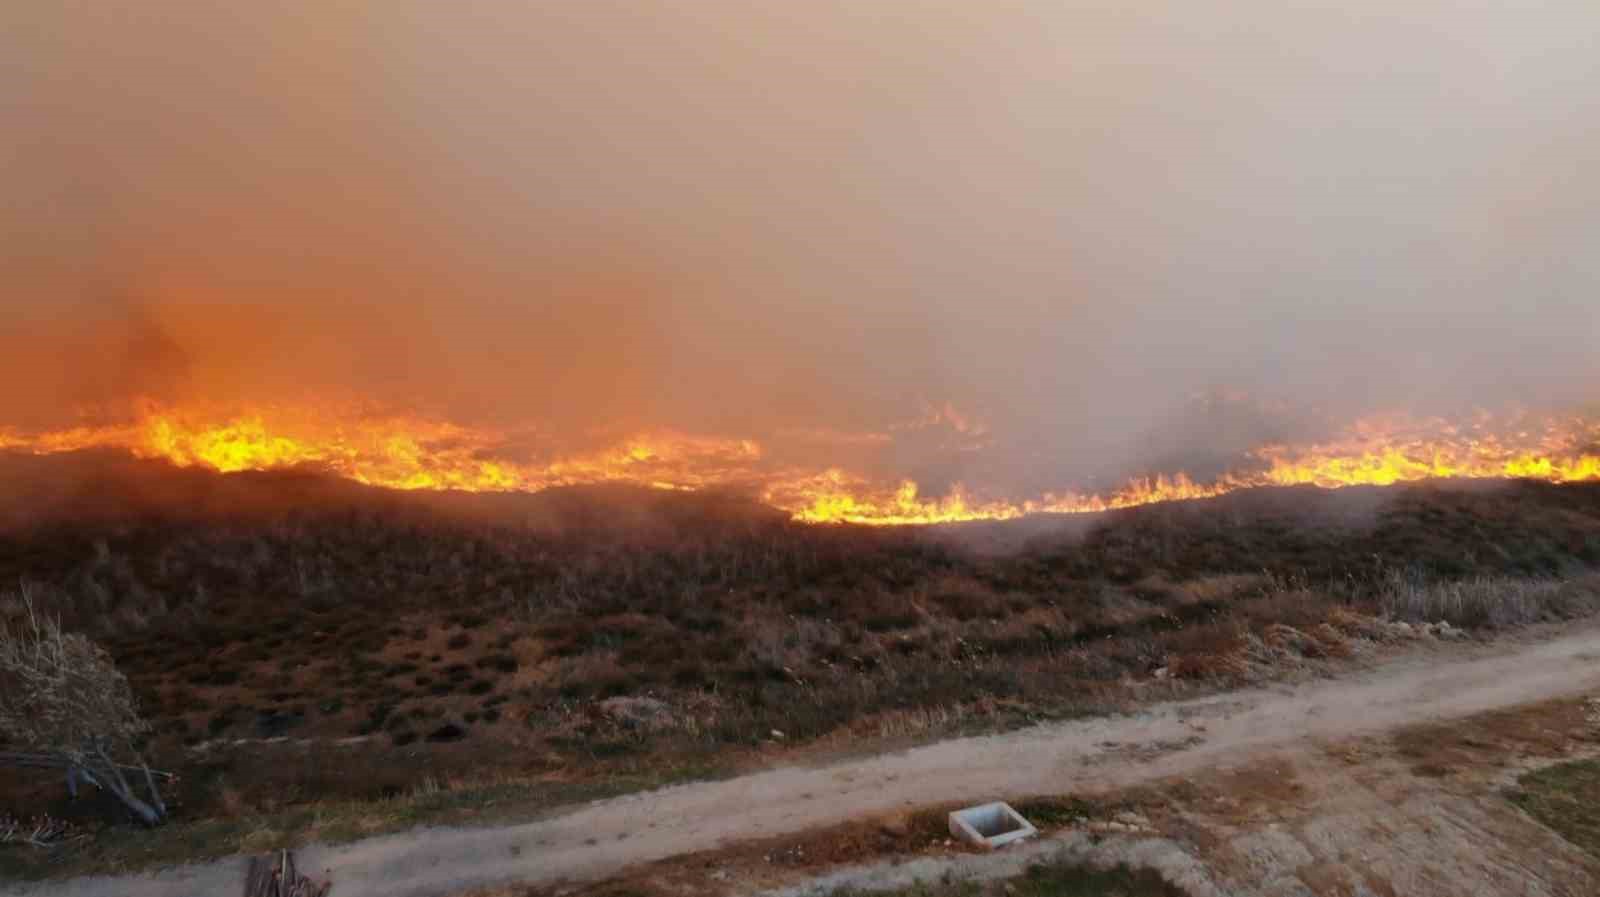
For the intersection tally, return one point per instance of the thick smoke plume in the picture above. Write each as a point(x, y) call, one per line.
point(1017, 243)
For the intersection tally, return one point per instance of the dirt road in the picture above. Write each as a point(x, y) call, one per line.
point(1160, 741)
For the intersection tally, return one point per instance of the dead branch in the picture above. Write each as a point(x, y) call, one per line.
point(25, 760)
point(276, 876)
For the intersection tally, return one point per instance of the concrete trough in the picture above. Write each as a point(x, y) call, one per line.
point(990, 826)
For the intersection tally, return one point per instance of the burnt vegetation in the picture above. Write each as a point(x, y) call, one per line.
point(371, 643)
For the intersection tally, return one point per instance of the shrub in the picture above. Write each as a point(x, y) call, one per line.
point(500, 663)
point(61, 695)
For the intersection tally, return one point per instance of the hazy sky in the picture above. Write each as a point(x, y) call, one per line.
point(750, 216)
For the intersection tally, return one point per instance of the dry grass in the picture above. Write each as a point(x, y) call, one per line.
point(287, 606)
point(1545, 731)
point(1487, 601)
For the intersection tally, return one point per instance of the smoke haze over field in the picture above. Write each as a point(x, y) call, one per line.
point(1016, 238)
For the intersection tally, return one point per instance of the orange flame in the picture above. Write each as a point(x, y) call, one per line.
point(395, 451)
point(413, 452)
point(1378, 452)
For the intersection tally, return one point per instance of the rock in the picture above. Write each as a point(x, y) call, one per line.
point(646, 714)
point(778, 735)
point(1133, 819)
point(447, 732)
point(1161, 673)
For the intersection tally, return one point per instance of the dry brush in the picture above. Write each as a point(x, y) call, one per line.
point(64, 704)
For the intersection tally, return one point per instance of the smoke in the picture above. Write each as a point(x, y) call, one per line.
point(1064, 222)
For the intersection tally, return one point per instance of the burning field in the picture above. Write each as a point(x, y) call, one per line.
point(471, 254)
point(415, 453)
point(321, 659)
point(655, 388)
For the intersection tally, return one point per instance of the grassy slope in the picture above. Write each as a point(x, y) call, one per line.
point(291, 605)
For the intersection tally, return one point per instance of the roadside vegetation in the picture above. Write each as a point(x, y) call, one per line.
point(70, 710)
point(304, 648)
point(1483, 601)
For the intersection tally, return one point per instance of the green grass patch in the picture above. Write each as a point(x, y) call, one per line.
point(1053, 812)
point(1565, 797)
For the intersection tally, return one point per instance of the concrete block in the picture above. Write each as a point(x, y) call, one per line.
point(990, 825)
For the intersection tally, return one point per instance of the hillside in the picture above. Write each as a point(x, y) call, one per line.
point(398, 639)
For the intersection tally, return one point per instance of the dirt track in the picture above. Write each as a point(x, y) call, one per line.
point(1160, 741)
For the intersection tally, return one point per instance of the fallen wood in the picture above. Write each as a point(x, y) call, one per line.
point(274, 875)
point(21, 760)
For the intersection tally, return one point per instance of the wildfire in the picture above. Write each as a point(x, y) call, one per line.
point(1379, 452)
point(1560, 455)
point(415, 452)
point(397, 451)
point(834, 496)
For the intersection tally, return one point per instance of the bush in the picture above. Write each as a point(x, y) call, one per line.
point(500, 663)
point(60, 695)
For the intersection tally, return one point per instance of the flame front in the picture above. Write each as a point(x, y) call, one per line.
point(415, 452)
point(396, 451)
point(1376, 452)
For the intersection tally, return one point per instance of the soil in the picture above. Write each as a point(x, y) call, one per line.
point(1425, 811)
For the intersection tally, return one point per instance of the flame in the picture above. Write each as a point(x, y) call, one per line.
point(835, 497)
point(407, 451)
point(1559, 457)
point(1376, 452)
point(397, 451)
